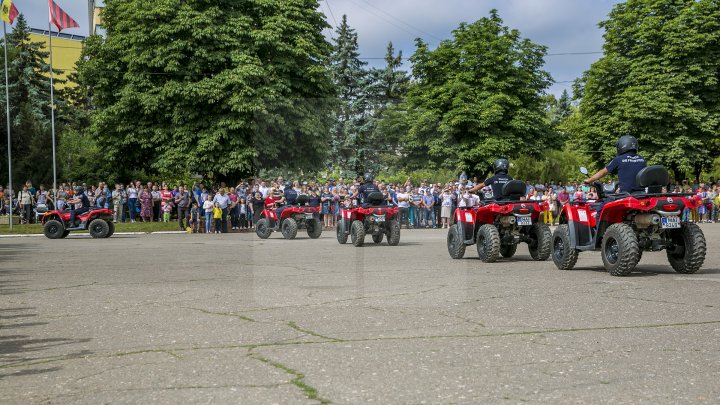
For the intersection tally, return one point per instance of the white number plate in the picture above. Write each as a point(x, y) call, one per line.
point(379, 218)
point(672, 222)
point(524, 221)
point(308, 216)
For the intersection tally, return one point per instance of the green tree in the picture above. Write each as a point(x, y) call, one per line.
point(389, 88)
point(29, 108)
point(350, 141)
point(657, 81)
point(219, 88)
point(477, 97)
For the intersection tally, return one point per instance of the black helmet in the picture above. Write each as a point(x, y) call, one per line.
point(288, 184)
point(501, 165)
point(79, 190)
point(626, 143)
point(368, 177)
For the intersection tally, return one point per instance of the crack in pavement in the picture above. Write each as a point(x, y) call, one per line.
point(172, 350)
point(645, 299)
point(232, 314)
point(311, 333)
point(299, 380)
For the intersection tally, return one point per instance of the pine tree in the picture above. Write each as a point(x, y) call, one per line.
point(350, 143)
point(389, 88)
point(29, 107)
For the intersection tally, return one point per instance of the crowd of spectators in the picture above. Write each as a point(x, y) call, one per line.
point(220, 208)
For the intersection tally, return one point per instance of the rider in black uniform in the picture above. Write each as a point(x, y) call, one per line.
point(500, 168)
point(290, 196)
point(627, 164)
point(80, 198)
point(366, 189)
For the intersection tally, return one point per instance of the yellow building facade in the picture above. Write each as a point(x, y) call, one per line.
point(65, 51)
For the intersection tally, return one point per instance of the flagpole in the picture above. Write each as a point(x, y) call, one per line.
point(7, 108)
point(52, 106)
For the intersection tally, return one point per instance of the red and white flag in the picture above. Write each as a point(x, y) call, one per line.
point(60, 18)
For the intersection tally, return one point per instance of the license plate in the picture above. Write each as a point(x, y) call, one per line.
point(670, 222)
point(308, 216)
point(524, 221)
point(379, 218)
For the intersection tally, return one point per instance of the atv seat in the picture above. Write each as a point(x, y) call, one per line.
point(513, 191)
point(375, 199)
point(652, 179)
point(303, 199)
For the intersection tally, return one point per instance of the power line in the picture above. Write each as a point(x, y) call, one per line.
point(331, 12)
point(401, 21)
point(383, 18)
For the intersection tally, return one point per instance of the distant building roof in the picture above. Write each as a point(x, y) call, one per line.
point(58, 34)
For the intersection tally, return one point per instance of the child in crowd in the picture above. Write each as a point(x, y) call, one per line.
point(243, 213)
point(167, 207)
point(217, 216)
point(194, 217)
point(208, 208)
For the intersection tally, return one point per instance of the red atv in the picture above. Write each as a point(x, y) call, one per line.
point(99, 221)
point(498, 226)
point(630, 224)
point(375, 218)
point(291, 218)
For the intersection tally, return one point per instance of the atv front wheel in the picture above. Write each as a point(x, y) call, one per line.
point(508, 251)
point(112, 229)
point(563, 253)
point(620, 251)
point(314, 228)
point(689, 256)
point(488, 243)
point(540, 241)
point(340, 233)
point(357, 233)
point(262, 228)
point(455, 244)
point(54, 229)
point(289, 228)
point(393, 234)
point(99, 228)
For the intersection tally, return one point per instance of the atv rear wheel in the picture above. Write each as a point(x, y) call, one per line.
point(620, 251)
point(314, 228)
point(289, 228)
point(393, 233)
point(262, 228)
point(54, 229)
point(488, 243)
point(340, 233)
point(99, 228)
point(691, 257)
point(377, 238)
point(540, 241)
point(357, 233)
point(563, 254)
point(455, 244)
point(508, 251)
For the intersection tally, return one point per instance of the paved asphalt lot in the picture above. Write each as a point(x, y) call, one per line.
point(232, 319)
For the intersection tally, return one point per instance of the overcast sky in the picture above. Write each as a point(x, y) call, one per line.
point(562, 25)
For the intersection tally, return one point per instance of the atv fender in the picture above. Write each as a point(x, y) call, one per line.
point(466, 225)
point(580, 222)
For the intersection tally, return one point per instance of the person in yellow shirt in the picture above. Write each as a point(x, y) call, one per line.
point(217, 216)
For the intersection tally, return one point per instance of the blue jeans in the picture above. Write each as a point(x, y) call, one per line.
point(208, 220)
point(132, 206)
point(73, 213)
point(429, 216)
